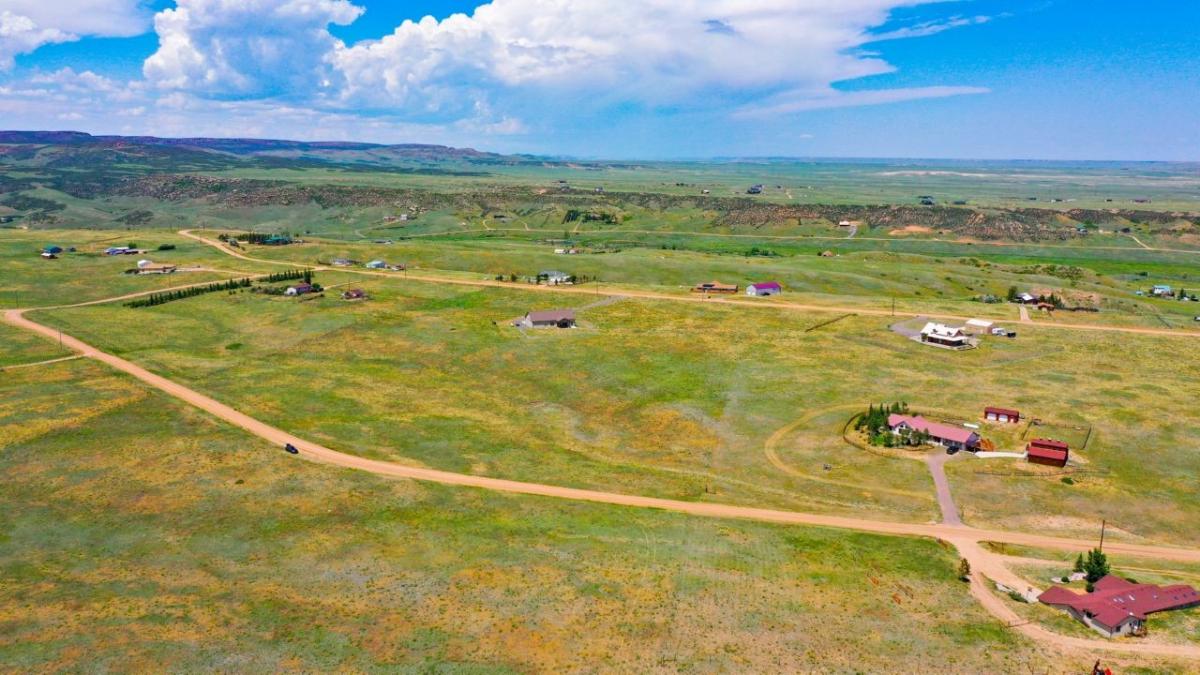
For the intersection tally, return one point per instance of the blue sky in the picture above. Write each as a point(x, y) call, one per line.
point(1043, 79)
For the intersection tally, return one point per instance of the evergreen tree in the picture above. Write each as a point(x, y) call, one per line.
point(1096, 565)
point(1078, 564)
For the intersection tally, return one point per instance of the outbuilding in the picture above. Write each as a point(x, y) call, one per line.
point(764, 289)
point(1047, 452)
point(1008, 415)
point(299, 289)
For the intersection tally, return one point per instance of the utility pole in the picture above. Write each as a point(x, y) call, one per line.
point(1103, 525)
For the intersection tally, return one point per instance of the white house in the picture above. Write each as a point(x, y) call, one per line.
point(946, 336)
point(554, 277)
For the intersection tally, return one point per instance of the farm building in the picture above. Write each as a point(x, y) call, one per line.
point(554, 277)
point(299, 289)
point(376, 265)
point(1026, 299)
point(120, 250)
point(1048, 452)
point(764, 289)
point(945, 336)
point(151, 268)
point(715, 287)
point(1120, 607)
point(341, 262)
point(946, 435)
point(980, 325)
point(1162, 291)
point(557, 318)
point(53, 250)
point(1009, 415)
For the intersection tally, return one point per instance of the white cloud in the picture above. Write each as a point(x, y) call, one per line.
point(793, 102)
point(26, 25)
point(248, 48)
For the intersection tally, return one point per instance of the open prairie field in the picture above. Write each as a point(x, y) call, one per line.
point(681, 399)
point(18, 347)
point(868, 276)
point(190, 546)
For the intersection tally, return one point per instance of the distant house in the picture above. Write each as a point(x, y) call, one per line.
point(946, 435)
point(119, 250)
point(376, 265)
point(764, 289)
point(277, 240)
point(341, 262)
point(1046, 307)
point(151, 268)
point(55, 250)
point(1048, 452)
point(299, 289)
point(1009, 415)
point(715, 287)
point(554, 277)
point(1162, 290)
point(557, 318)
point(1118, 606)
point(945, 336)
point(1026, 299)
point(354, 294)
point(844, 223)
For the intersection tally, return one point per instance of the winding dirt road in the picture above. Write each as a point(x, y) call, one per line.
point(693, 298)
point(966, 539)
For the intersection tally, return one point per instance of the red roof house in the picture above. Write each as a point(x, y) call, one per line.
point(992, 414)
point(1119, 607)
point(1048, 452)
point(954, 438)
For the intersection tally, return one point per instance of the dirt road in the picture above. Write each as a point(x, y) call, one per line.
point(966, 539)
point(652, 295)
point(936, 461)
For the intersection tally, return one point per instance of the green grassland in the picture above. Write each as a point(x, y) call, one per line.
point(18, 347)
point(678, 399)
point(137, 534)
point(928, 279)
point(27, 280)
point(989, 184)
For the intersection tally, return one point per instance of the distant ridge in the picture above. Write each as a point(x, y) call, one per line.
point(243, 146)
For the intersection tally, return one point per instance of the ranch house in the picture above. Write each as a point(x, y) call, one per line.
point(1118, 606)
point(945, 336)
point(948, 436)
point(557, 318)
point(715, 287)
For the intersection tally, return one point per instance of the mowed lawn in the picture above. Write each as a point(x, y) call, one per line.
point(138, 534)
point(28, 280)
point(679, 400)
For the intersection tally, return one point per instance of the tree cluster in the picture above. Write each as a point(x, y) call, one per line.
point(874, 424)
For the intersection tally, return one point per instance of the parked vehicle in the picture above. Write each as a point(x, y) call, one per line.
point(291, 449)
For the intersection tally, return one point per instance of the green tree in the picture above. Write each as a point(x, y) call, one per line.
point(1012, 294)
point(1096, 565)
point(1078, 564)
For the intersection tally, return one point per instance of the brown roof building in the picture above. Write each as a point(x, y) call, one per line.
point(1048, 452)
point(1118, 606)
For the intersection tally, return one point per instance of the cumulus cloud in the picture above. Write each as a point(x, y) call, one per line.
point(248, 48)
point(26, 25)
